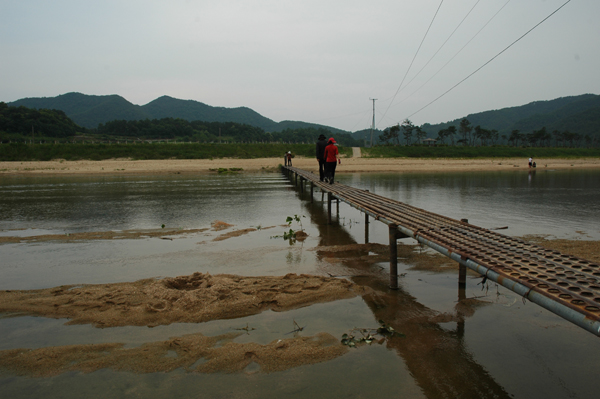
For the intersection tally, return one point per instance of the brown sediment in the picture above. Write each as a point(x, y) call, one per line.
point(101, 235)
point(214, 354)
point(235, 233)
point(192, 299)
point(414, 255)
point(585, 249)
point(218, 225)
point(300, 235)
point(349, 165)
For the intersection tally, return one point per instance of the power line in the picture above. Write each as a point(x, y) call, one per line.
point(492, 59)
point(458, 52)
point(449, 37)
point(413, 60)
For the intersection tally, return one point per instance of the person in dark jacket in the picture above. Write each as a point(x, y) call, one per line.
point(321, 144)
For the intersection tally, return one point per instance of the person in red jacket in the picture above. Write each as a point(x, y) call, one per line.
point(332, 157)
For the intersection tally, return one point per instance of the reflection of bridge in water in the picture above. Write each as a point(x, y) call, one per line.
point(565, 285)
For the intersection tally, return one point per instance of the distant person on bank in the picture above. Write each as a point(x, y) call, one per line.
point(321, 144)
point(331, 159)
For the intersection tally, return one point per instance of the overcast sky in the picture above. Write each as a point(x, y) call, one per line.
point(315, 61)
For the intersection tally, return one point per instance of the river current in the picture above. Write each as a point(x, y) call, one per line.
point(505, 348)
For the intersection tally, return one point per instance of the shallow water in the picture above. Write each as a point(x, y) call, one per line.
point(506, 348)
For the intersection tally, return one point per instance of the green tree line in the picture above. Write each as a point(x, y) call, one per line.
point(213, 132)
point(144, 150)
point(475, 136)
point(20, 122)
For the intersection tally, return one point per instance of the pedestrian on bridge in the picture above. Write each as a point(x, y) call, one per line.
point(288, 159)
point(332, 158)
point(321, 144)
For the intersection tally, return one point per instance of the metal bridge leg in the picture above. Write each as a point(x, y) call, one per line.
point(462, 281)
point(366, 228)
point(329, 208)
point(393, 229)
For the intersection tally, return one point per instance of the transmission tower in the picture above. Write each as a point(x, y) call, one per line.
point(373, 124)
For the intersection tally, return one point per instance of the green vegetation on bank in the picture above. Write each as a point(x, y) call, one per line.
point(98, 152)
point(423, 151)
point(21, 122)
point(26, 125)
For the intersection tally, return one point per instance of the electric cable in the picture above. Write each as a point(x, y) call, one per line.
point(457, 53)
point(413, 60)
point(493, 58)
point(449, 37)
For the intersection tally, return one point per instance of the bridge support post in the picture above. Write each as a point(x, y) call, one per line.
point(329, 207)
point(302, 184)
point(393, 233)
point(366, 228)
point(312, 187)
point(462, 281)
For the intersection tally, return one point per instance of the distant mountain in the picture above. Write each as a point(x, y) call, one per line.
point(89, 111)
point(190, 110)
point(85, 110)
point(576, 114)
point(291, 125)
point(365, 135)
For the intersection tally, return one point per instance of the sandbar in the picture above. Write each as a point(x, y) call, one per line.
point(348, 165)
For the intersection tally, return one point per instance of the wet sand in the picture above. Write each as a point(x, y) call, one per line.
point(348, 165)
point(195, 298)
point(202, 297)
point(219, 353)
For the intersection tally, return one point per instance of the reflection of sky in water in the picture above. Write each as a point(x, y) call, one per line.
point(559, 203)
point(120, 203)
point(544, 202)
point(550, 202)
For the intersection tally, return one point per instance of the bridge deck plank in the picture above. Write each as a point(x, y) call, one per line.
point(568, 280)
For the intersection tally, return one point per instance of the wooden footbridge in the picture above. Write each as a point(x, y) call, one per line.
point(565, 285)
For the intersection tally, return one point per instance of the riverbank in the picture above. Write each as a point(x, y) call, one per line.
point(348, 165)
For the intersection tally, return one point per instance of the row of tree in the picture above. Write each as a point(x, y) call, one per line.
point(469, 135)
point(32, 122)
point(27, 124)
point(22, 124)
point(212, 132)
point(407, 129)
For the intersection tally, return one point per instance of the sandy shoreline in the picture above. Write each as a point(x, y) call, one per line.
point(348, 165)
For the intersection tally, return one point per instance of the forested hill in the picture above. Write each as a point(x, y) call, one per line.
point(577, 114)
point(90, 111)
point(87, 111)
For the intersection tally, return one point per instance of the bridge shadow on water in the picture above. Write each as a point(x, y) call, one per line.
point(436, 357)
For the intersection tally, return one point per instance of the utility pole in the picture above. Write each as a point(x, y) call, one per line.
point(373, 125)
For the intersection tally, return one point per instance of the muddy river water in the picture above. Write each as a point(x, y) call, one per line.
point(492, 345)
